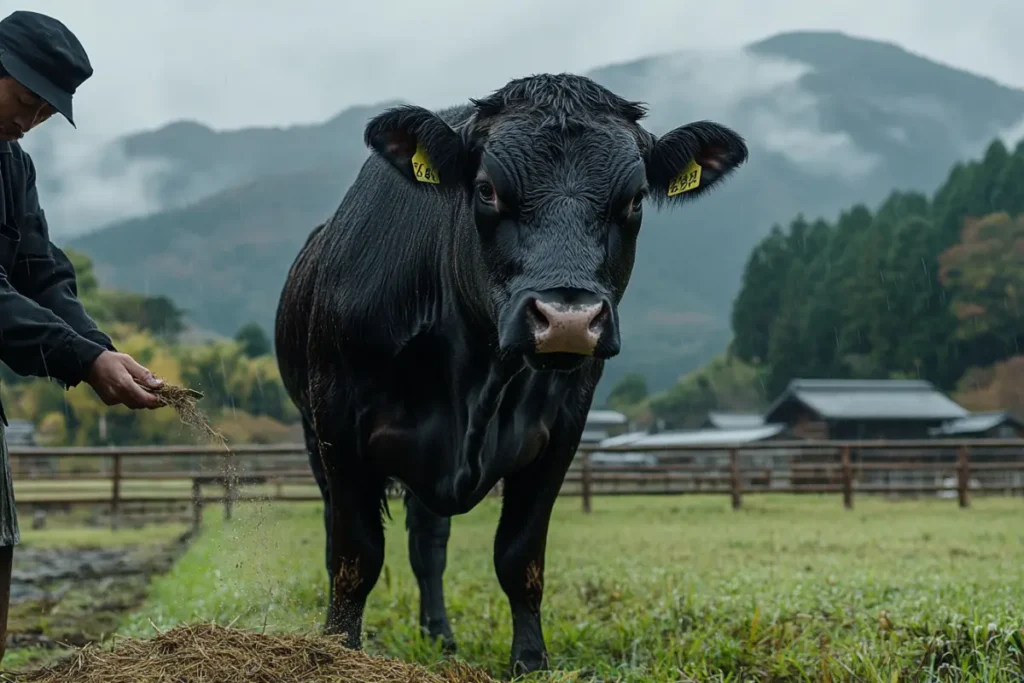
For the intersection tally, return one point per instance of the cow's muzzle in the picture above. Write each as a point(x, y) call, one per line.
point(563, 322)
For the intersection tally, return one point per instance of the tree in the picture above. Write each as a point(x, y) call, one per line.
point(984, 274)
point(254, 340)
point(628, 391)
point(723, 384)
point(757, 303)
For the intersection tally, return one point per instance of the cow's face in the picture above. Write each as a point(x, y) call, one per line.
point(556, 172)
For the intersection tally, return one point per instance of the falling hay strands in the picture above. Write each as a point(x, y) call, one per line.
point(184, 401)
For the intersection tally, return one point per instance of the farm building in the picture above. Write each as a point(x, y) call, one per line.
point(20, 433)
point(989, 425)
point(603, 423)
point(720, 420)
point(863, 409)
point(704, 464)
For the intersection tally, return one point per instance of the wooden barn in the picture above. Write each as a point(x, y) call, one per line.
point(997, 424)
point(863, 409)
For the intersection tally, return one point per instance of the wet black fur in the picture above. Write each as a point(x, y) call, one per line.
point(399, 331)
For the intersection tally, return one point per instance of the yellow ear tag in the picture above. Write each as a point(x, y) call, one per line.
point(688, 179)
point(422, 169)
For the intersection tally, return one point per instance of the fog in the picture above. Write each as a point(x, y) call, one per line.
point(282, 63)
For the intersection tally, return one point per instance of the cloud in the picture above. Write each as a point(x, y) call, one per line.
point(88, 182)
point(281, 62)
point(759, 96)
point(1013, 134)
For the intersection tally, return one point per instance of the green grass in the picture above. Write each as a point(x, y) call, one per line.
point(658, 589)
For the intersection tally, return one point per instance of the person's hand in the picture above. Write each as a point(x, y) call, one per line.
point(117, 378)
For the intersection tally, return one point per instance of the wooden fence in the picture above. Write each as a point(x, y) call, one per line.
point(119, 479)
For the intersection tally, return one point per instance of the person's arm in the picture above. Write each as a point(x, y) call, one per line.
point(44, 329)
point(36, 342)
point(44, 273)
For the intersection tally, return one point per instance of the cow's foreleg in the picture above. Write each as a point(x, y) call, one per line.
point(355, 545)
point(428, 548)
point(356, 552)
point(519, 554)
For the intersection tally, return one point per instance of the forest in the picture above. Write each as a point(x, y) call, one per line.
point(244, 396)
point(926, 287)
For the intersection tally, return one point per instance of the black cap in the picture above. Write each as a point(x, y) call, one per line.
point(43, 55)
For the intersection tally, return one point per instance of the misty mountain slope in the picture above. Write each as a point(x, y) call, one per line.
point(831, 120)
point(200, 162)
point(239, 245)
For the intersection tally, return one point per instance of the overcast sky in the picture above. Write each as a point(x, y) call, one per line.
point(231, 63)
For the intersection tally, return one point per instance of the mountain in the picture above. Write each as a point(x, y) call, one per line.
point(830, 119)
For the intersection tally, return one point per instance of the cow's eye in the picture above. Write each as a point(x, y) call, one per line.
point(638, 202)
point(485, 191)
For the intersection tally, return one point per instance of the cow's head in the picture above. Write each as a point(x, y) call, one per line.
point(555, 170)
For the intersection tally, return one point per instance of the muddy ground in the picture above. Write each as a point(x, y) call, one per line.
point(79, 595)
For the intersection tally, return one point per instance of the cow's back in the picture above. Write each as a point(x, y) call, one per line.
point(372, 275)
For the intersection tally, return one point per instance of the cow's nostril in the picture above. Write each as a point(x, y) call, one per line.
point(537, 316)
point(601, 319)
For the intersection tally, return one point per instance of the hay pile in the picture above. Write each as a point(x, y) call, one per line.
point(207, 653)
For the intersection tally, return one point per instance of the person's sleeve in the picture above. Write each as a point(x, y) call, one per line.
point(44, 329)
point(35, 342)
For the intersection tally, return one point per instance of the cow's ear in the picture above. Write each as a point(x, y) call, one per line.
point(689, 160)
point(419, 143)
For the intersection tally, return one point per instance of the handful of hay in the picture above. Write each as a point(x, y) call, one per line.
point(184, 401)
point(208, 653)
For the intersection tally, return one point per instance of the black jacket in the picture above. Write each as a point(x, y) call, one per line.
point(44, 330)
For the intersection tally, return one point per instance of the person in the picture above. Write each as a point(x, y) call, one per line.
point(44, 329)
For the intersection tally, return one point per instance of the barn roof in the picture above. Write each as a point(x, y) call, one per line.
point(696, 437)
point(732, 420)
point(20, 433)
point(866, 399)
point(976, 423)
point(605, 417)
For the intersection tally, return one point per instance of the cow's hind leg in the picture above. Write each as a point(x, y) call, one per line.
point(428, 548)
point(519, 546)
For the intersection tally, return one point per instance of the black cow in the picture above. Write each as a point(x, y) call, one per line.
point(447, 326)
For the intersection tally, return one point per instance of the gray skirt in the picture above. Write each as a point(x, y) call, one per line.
point(10, 534)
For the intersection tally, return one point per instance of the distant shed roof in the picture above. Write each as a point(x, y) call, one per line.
point(20, 433)
point(697, 437)
point(605, 417)
point(733, 420)
point(866, 399)
point(976, 423)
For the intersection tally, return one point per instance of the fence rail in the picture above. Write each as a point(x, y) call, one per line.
point(121, 477)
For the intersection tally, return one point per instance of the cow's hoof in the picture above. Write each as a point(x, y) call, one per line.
point(528, 663)
point(342, 634)
point(442, 635)
point(448, 645)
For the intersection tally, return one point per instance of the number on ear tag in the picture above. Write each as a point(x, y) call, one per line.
point(422, 169)
point(688, 179)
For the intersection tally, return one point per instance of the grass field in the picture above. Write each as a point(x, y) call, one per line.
point(654, 589)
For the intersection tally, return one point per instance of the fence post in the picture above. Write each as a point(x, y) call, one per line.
point(197, 504)
point(847, 478)
point(737, 485)
point(115, 493)
point(230, 480)
point(585, 482)
point(963, 473)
